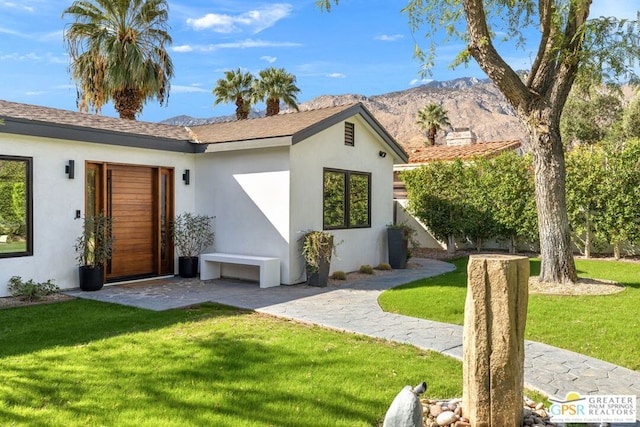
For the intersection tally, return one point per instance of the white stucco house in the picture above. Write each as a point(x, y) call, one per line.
point(262, 179)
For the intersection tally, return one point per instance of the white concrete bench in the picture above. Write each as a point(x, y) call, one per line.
point(210, 266)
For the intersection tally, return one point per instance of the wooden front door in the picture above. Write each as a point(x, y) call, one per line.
point(140, 201)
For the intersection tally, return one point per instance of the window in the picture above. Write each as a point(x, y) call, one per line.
point(16, 224)
point(347, 199)
point(349, 134)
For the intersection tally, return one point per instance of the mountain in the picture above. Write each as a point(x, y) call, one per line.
point(469, 102)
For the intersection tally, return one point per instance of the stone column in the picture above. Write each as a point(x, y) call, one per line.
point(495, 315)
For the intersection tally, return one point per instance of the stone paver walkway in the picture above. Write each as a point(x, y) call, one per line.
point(354, 308)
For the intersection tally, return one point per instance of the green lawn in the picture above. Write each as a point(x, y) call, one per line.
point(605, 327)
point(13, 247)
point(85, 363)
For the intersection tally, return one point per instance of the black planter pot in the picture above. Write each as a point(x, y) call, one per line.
point(91, 278)
point(398, 247)
point(320, 277)
point(188, 266)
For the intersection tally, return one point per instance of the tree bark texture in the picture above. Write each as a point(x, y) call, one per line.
point(539, 102)
point(128, 103)
point(556, 251)
point(273, 106)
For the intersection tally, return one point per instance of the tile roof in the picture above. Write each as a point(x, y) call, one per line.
point(285, 124)
point(451, 152)
point(92, 121)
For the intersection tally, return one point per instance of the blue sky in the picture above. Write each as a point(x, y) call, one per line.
point(361, 46)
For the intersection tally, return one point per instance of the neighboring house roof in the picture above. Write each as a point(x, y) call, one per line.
point(54, 123)
point(464, 152)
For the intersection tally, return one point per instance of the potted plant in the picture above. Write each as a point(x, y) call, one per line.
point(191, 235)
point(398, 238)
point(94, 248)
point(317, 247)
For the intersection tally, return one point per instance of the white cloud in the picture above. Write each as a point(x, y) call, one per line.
point(11, 32)
point(182, 48)
point(12, 5)
point(419, 81)
point(269, 59)
point(18, 57)
point(336, 75)
point(35, 93)
point(389, 38)
point(187, 89)
point(253, 21)
point(34, 57)
point(242, 44)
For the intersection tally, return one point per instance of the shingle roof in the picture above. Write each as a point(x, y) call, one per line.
point(286, 124)
point(72, 118)
point(464, 152)
point(298, 125)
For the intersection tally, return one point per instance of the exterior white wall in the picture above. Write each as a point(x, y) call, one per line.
point(248, 193)
point(56, 198)
point(326, 149)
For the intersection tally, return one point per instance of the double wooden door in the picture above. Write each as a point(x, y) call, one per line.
point(140, 201)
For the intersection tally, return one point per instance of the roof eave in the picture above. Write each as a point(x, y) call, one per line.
point(248, 144)
point(20, 126)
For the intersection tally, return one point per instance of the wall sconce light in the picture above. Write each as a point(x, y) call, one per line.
point(70, 169)
point(382, 154)
point(186, 176)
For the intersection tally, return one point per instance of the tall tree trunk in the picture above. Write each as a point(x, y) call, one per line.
point(273, 106)
point(128, 103)
point(587, 238)
point(553, 223)
point(512, 244)
point(242, 112)
point(451, 244)
point(431, 136)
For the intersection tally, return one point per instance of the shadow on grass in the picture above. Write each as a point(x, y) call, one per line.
point(227, 370)
point(28, 329)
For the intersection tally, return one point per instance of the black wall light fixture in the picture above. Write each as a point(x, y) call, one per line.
point(382, 154)
point(70, 169)
point(186, 176)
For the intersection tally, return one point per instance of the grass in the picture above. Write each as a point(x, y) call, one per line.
point(13, 247)
point(82, 362)
point(606, 327)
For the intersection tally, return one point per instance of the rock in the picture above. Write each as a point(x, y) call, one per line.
point(493, 339)
point(435, 410)
point(406, 409)
point(446, 418)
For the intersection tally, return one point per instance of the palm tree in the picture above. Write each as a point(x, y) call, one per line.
point(276, 84)
point(432, 118)
point(236, 87)
point(118, 53)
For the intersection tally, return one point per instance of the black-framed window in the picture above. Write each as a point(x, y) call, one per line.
point(346, 199)
point(16, 206)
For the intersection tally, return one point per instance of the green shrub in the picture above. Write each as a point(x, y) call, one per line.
point(366, 269)
point(384, 266)
point(30, 290)
point(339, 275)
